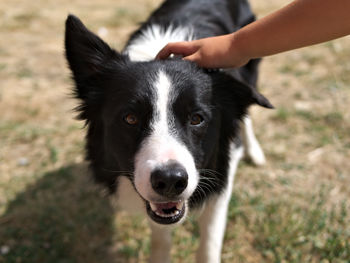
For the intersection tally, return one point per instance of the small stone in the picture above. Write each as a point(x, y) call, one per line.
point(4, 250)
point(46, 245)
point(22, 161)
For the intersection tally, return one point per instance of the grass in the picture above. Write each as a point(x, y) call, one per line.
point(293, 232)
point(50, 219)
point(296, 234)
point(295, 209)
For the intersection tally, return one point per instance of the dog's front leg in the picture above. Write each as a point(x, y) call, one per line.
point(212, 222)
point(160, 244)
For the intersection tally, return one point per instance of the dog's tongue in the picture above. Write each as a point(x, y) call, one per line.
point(160, 207)
point(166, 205)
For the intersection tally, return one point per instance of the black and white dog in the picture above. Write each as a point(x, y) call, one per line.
point(164, 136)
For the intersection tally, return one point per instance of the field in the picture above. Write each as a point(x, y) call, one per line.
point(294, 209)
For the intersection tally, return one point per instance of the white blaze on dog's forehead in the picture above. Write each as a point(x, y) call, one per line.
point(163, 88)
point(162, 144)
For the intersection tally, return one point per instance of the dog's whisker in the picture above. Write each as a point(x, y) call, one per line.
point(211, 181)
point(201, 193)
point(210, 171)
point(208, 188)
point(116, 171)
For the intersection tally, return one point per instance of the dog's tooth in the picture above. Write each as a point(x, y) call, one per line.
point(158, 214)
point(162, 215)
point(179, 205)
point(153, 207)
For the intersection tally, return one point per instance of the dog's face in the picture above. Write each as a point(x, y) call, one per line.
point(156, 122)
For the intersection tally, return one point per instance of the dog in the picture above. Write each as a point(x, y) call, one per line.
point(164, 135)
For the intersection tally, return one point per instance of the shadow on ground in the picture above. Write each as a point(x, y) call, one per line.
point(62, 218)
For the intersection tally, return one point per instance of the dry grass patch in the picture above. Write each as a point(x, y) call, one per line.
point(294, 209)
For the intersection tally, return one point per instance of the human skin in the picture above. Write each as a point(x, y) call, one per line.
point(301, 23)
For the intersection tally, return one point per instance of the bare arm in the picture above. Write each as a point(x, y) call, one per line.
point(299, 24)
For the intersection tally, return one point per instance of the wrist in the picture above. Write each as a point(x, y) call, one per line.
point(239, 46)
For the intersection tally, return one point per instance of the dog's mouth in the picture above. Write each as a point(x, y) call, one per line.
point(166, 213)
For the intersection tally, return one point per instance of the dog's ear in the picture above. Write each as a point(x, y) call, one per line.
point(236, 95)
point(91, 61)
point(86, 53)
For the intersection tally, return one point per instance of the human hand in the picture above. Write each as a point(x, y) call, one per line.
point(213, 52)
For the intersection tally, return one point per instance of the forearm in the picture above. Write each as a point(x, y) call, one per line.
point(299, 24)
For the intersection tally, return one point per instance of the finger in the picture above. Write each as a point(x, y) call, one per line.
point(195, 58)
point(177, 48)
point(165, 52)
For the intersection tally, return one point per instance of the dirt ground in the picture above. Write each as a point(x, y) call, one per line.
point(294, 209)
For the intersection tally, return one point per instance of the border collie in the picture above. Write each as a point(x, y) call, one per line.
point(164, 136)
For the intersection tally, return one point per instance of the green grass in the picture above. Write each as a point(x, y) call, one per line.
point(287, 232)
point(282, 115)
point(25, 73)
point(325, 128)
point(3, 66)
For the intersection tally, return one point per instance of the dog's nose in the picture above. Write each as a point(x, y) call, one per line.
point(169, 180)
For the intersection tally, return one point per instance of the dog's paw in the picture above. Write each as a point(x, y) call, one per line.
point(255, 154)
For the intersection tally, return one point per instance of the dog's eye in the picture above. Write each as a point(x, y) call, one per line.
point(131, 119)
point(196, 119)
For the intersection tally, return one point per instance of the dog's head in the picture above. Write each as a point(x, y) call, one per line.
point(157, 122)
